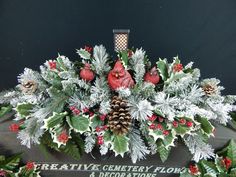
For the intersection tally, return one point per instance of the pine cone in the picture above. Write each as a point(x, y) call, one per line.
point(119, 119)
point(29, 87)
point(209, 90)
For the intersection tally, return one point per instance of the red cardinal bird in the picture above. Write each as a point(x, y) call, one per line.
point(86, 73)
point(152, 76)
point(119, 77)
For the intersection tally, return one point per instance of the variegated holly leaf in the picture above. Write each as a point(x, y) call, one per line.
point(163, 151)
point(54, 120)
point(169, 140)
point(120, 145)
point(162, 66)
point(206, 126)
point(156, 134)
point(23, 109)
point(84, 54)
point(79, 123)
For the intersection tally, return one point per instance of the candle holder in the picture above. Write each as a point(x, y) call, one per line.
point(121, 39)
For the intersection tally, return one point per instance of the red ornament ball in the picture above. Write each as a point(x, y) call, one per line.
point(86, 73)
point(152, 76)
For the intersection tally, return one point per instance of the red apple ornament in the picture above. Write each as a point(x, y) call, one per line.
point(86, 73)
point(152, 76)
point(119, 77)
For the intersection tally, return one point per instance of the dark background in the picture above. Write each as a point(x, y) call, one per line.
point(32, 31)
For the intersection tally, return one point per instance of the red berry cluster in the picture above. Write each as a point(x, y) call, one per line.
point(29, 165)
point(14, 128)
point(100, 140)
point(182, 121)
point(102, 117)
point(75, 110)
point(52, 65)
point(160, 128)
point(226, 162)
point(101, 128)
point(88, 49)
point(63, 137)
point(193, 169)
point(178, 67)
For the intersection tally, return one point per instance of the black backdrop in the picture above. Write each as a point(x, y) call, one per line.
point(204, 31)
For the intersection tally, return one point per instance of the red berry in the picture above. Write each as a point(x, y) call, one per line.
point(130, 53)
point(166, 132)
point(152, 126)
point(52, 64)
point(193, 169)
point(14, 128)
point(63, 137)
point(3, 173)
point(76, 111)
point(160, 119)
point(91, 114)
point(88, 49)
point(182, 121)
point(100, 140)
point(105, 127)
point(226, 162)
point(98, 129)
point(159, 127)
point(189, 124)
point(178, 67)
point(175, 124)
point(153, 117)
point(29, 166)
point(85, 110)
point(102, 117)
point(72, 108)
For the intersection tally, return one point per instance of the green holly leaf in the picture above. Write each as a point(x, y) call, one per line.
point(54, 120)
point(79, 123)
point(156, 134)
point(84, 54)
point(182, 130)
point(231, 152)
point(209, 166)
point(10, 163)
point(72, 147)
point(232, 172)
point(209, 175)
point(120, 145)
point(186, 174)
point(169, 140)
point(124, 58)
point(206, 126)
point(162, 67)
point(107, 136)
point(23, 109)
point(163, 151)
point(4, 110)
point(95, 122)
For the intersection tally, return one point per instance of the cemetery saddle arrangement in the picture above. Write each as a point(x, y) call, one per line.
point(128, 106)
point(11, 167)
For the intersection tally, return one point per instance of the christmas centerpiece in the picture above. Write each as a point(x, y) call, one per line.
point(126, 106)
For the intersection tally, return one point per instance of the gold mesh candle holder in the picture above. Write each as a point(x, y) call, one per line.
point(121, 39)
